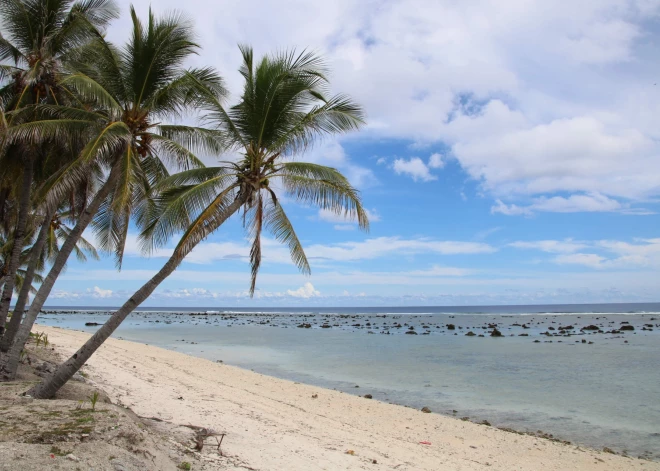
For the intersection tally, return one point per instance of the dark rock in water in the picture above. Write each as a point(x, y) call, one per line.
point(567, 327)
point(626, 327)
point(91, 324)
point(590, 327)
point(451, 327)
point(584, 341)
point(305, 326)
point(496, 333)
point(485, 422)
point(470, 334)
point(525, 326)
point(368, 396)
point(523, 335)
point(492, 326)
point(537, 341)
point(426, 410)
point(411, 332)
point(325, 326)
point(551, 328)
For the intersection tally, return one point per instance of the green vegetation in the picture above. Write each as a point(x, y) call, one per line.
point(92, 136)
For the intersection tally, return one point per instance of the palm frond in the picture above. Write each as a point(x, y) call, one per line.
point(277, 222)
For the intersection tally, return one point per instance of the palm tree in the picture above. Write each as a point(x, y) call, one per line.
point(40, 34)
point(54, 230)
point(283, 109)
point(124, 94)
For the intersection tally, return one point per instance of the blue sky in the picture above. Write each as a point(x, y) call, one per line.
point(511, 156)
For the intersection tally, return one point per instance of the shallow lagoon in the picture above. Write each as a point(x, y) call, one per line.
point(602, 394)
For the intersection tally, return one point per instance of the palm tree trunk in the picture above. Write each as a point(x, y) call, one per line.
point(35, 254)
point(49, 386)
point(17, 247)
point(10, 364)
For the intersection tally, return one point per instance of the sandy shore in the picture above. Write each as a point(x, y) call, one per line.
point(274, 424)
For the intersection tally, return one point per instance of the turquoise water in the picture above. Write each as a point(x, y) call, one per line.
point(605, 393)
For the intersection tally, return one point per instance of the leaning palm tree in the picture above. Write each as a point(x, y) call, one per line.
point(39, 36)
point(129, 92)
point(283, 109)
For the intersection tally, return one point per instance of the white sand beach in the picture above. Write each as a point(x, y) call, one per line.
point(273, 424)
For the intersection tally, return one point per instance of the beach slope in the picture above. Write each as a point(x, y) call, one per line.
point(273, 424)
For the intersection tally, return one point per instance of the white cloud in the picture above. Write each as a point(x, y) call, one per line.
point(588, 259)
point(332, 154)
point(368, 249)
point(306, 291)
point(533, 97)
point(594, 202)
point(330, 216)
point(101, 293)
point(415, 168)
point(551, 246)
point(394, 246)
point(613, 254)
point(436, 161)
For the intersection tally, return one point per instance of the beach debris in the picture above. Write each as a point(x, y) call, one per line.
point(368, 396)
point(72, 457)
point(202, 433)
point(424, 443)
point(374, 462)
point(91, 324)
point(426, 410)
point(350, 452)
point(315, 396)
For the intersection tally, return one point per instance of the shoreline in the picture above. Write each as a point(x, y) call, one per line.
point(278, 424)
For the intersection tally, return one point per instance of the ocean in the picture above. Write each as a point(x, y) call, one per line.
point(584, 373)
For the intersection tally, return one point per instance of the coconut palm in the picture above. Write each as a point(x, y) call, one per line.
point(20, 275)
point(126, 93)
point(39, 35)
point(54, 230)
point(283, 109)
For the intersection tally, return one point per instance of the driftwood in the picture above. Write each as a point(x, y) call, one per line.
point(201, 433)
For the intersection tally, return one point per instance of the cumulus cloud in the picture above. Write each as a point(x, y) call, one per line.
point(306, 291)
point(468, 74)
point(101, 293)
point(436, 161)
point(415, 168)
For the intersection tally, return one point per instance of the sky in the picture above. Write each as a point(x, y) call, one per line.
point(511, 156)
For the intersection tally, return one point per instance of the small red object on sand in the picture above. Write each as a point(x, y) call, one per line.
point(424, 443)
point(52, 455)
